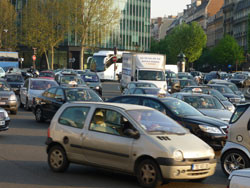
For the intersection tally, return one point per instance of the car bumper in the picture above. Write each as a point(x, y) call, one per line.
point(185, 171)
point(9, 105)
point(5, 127)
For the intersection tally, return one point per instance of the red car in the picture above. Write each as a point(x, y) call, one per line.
point(47, 75)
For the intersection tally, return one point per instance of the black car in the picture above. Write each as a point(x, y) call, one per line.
point(52, 99)
point(208, 129)
point(93, 81)
point(15, 81)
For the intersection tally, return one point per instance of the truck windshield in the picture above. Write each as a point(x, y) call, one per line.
point(99, 63)
point(151, 75)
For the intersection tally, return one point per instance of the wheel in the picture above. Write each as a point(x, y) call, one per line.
point(234, 160)
point(148, 174)
point(14, 112)
point(39, 115)
point(57, 159)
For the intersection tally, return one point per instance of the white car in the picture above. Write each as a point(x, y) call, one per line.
point(239, 179)
point(133, 139)
point(34, 87)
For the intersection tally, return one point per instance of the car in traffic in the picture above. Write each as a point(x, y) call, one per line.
point(187, 82)
point(4, 120)
point(236, 153)
point(69, 79)
point(210, 91)
point(8, 99)
point(146, 91)
point(226, 92)
point(231, 85)
point(185, 75)
point(239, 179)
point(206, 104)
point(138, 84)
point(47, 74)
point(46, 105)
point(93, 81)
point(134, 139)
point(15, 81)
point(241, 80)
point(32, 88)
point(209, 129)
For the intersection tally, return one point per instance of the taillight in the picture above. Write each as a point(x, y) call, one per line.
point(48, 132)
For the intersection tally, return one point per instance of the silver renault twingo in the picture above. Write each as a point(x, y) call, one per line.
point(133, 139)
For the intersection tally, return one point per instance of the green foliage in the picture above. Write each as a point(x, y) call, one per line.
point(7, 25)
point(227, 51)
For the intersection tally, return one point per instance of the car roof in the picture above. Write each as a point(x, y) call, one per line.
point(119, 105)
point(193, 94)
point(153, 88)
point(147, 96)
point(42, 79)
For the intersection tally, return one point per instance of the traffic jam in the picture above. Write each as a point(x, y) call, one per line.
point(147, 129)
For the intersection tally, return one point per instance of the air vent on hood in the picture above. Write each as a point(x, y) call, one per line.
point(163, 138)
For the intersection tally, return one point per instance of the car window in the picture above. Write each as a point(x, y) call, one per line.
point(42, 84)
point(238, 113)
point(59, 94)
point(26, 84)
point(130, 100)
point(108, 121)
point(154, 104)
point(74, 116)
point(130, 91)
point(51, 93)
point(138, 91)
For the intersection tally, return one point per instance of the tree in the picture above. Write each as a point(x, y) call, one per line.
point(228, 52)
point(93, 21)
point(8, 29)
point(187, 38)
point(45, 24)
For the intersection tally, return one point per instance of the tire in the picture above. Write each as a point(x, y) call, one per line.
point(57, 159)
point(148, 174)
point(234, 160)
point(14, 112)
point(39, 115)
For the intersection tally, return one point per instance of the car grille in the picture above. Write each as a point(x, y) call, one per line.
point(163, 138)
point(4, 99)
point(197, 172)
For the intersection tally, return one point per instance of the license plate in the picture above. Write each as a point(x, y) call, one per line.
point(200, 166)
point(2, 103)
point(2, 122)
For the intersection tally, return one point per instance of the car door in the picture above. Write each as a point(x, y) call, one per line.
point(105, 144)
point(49, 105)
point(24, 91)
point(57, 101)
point(72, 132)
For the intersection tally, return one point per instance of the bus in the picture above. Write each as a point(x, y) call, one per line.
point(8, 60)
point(101, 62)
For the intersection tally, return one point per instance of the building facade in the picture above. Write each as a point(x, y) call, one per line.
point(131, 34)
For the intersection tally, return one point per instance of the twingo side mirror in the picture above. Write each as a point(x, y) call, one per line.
point(132, 133)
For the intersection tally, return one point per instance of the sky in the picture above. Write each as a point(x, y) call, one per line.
point(160, 8)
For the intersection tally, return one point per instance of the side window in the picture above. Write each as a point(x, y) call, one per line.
point(154, 104)
point(108, 121)
point(138, 91)
point(59, 94)
point(26, 84)
point(238, 113)
point(51, 93)
point(130, 91)
point(130, 100)
point(74, 117)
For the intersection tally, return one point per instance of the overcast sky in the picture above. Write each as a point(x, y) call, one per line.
point(160, 8)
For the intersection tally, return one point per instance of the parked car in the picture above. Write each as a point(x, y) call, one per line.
point(226, 92)
point(209, 129)
point(129, 138)
point(236, 153)
point(210, 91)
point(8, 99)
point(231, 85)
point(206, 104)
point(138, 84)
point(93, 81)
point(146, 91)
point(15, 81)
point(52, 99)
point(47, 74)
point(34, 87)
point(4, 120)
point(239, 179)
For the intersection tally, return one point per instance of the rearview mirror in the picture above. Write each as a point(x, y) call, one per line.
point(132, 133)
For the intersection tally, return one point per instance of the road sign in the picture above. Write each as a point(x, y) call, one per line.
point(114, 59)
point(34, 58)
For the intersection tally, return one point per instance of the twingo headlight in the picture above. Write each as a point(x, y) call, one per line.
point(178, 155)
point(209, 129)
point(12, 97)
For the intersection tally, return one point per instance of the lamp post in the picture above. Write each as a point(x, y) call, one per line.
point(181, 62)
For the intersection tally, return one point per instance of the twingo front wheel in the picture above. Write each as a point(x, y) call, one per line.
point(57, 159)
point(234, 160)
point(148, 174)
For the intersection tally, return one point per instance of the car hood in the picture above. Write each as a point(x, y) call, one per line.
point(6, 93)
point(173, 142)
point(228, 95)
point(205, 120)
point(224, 115)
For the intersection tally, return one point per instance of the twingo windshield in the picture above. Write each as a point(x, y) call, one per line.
point(151, 75)
point(81, 94)
point(155, 121)
point(180, 108)
point(203, 102)
point(41, 84)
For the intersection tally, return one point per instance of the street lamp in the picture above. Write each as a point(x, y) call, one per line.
point(181, 62)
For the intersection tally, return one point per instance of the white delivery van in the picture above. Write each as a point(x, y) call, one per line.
point(173, 68)
point(144, 68)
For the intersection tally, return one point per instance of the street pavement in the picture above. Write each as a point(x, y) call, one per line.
point(23, 161)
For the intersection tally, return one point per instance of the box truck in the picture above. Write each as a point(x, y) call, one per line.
point(143, 67)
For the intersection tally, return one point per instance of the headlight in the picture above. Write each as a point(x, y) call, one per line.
point(12, 97)
point(97, 87)
point(209, 129)
point(231, 108)
point(178, 156)
point(6, 114)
